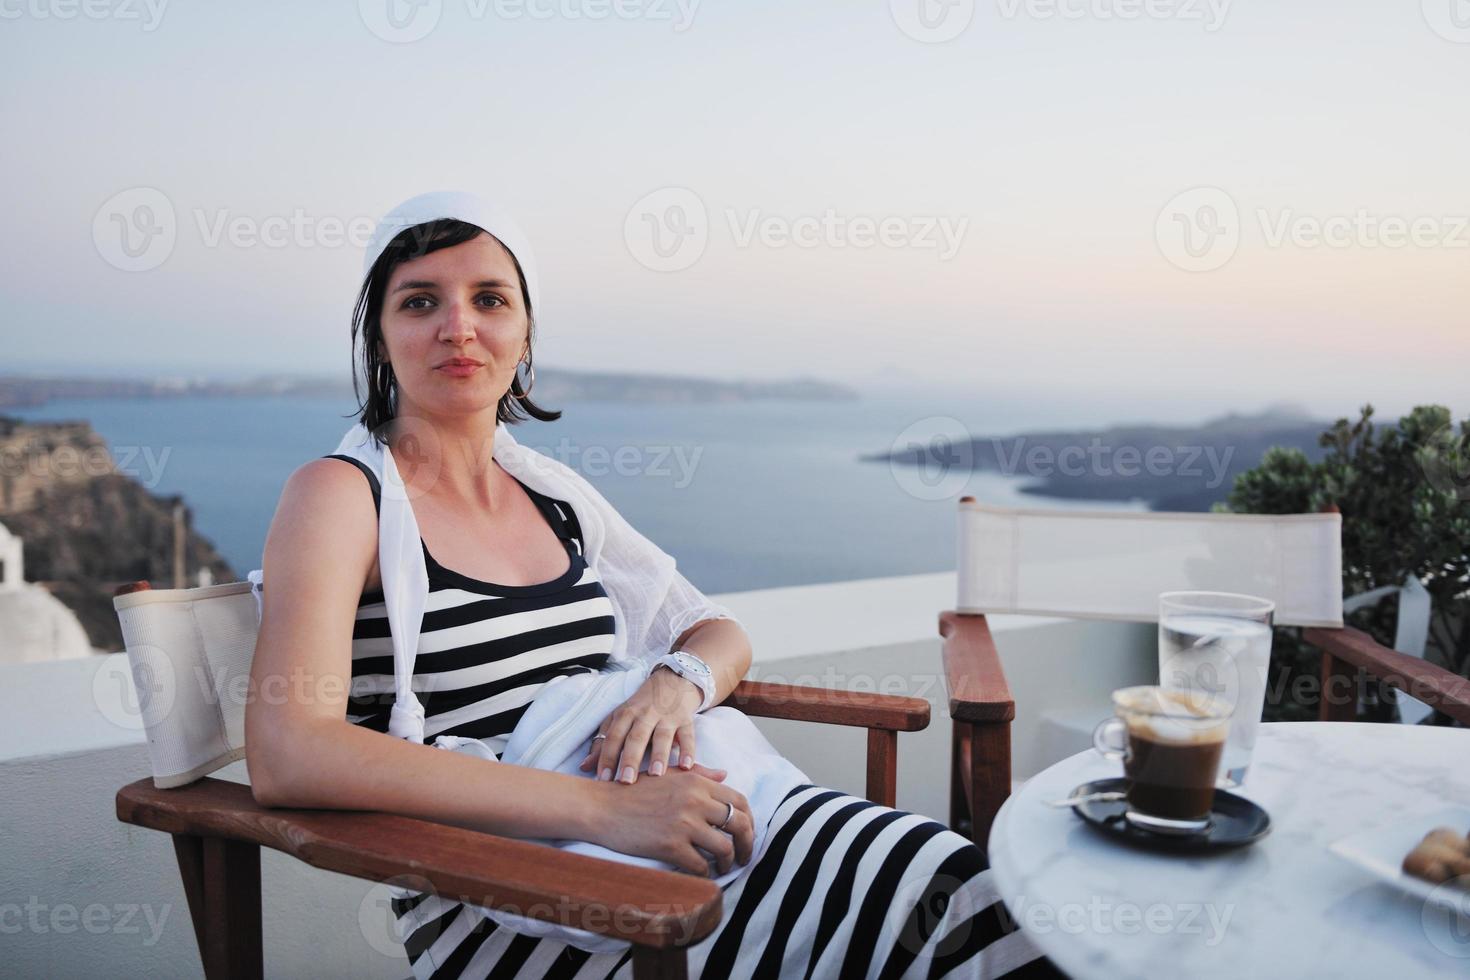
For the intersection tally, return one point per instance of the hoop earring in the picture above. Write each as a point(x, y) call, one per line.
point(526, 388)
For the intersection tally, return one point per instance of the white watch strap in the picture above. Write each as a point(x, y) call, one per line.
point(705, 682)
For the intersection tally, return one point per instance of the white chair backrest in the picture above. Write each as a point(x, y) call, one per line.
point(1114, 565)
point(190, 653)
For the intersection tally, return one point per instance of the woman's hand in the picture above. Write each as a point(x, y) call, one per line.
point(653, 719)
point(675, 818)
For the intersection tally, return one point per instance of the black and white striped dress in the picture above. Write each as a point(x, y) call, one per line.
point(841, 888)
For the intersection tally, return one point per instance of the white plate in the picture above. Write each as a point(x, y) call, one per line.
point(1381, 852)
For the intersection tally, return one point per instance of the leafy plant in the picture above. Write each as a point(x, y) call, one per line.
point(1404, 494)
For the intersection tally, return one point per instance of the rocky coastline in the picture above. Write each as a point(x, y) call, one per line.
point(86, 528)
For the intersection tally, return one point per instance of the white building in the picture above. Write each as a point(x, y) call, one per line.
point(12, 572)
point(34, 625)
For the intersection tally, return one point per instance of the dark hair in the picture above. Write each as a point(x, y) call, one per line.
point(380, 405)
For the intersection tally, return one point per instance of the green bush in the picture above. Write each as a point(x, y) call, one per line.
point(1404, 494)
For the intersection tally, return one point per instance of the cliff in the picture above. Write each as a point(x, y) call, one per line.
point(87, 528)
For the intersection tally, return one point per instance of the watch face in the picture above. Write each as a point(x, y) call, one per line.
point(691, 664)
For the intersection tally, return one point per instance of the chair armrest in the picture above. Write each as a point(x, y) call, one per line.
point(830, 707)
point(1435, 686)
point(972, 670)
point(643, 905)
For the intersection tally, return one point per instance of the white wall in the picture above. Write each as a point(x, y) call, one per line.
point(77, 888)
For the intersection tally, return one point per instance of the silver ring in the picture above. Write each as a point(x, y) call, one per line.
point(596, 737)
point(728, 814)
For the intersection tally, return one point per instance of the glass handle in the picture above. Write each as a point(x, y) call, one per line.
point(1110, 739)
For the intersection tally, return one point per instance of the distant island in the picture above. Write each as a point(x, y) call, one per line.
point(24, 391)
point(1179, 468)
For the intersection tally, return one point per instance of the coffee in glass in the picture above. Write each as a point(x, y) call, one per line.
point(1170, 744)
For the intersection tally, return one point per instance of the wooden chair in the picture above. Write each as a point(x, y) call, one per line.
point(1110, 565)
point(218, 828)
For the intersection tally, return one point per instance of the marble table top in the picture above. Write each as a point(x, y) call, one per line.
point(1284, 906)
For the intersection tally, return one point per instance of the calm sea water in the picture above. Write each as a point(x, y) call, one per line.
point(744, 495)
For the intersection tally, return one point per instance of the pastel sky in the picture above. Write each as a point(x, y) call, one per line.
point(819, 150)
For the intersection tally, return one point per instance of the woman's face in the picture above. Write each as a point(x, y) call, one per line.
point(462, 303)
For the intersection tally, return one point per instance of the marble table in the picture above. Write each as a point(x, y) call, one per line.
point(1284, 906)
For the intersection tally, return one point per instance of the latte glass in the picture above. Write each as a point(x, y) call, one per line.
point(1170, 744)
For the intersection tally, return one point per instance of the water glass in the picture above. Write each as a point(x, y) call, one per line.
point(1219, 644)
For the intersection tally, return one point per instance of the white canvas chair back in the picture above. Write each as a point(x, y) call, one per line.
point(1113, 565)
point(190, 653)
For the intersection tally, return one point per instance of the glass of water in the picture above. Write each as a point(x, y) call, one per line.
point(1219, 644)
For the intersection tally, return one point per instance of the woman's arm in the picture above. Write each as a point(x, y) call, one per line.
point(724, 645)
point(301, 750)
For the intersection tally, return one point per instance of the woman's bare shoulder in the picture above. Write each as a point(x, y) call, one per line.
point(327, 483)
point(333, 471)
point(326, 520)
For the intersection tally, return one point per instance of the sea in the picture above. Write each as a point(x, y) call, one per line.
point(745, 495)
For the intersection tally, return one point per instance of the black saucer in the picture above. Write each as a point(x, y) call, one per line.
point(1234, 821)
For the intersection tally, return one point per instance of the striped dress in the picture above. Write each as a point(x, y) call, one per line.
point(842, 887)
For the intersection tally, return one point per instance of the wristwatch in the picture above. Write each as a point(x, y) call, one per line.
point(692, 669)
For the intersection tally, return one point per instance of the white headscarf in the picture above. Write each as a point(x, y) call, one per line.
point(462, 206)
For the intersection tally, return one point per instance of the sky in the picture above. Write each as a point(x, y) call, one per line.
point(1152, 203)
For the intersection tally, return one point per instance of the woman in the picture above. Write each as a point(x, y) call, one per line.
point(516, 601)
